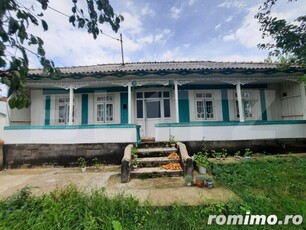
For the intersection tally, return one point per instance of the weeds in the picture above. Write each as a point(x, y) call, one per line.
point(266, 187)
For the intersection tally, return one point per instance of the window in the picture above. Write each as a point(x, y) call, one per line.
point(153, 102)
point(204, 105)
point(247, 105)
point(62, 105)
point(104, 109)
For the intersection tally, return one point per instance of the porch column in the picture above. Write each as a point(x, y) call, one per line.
point(177, 119)
point(70, 105)
point(303, 99)
point(240, 107)
point(130, 102)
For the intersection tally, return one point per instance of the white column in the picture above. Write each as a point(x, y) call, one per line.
point(303, 99)
point(177, 119)
point(130, 103)
point(70, 105)
point(240, 107)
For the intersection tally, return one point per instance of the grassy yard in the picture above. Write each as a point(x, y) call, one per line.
point(268, 187)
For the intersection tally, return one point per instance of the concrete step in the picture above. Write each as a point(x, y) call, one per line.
point(155, 161)
point(152, 172)
point(156, 151)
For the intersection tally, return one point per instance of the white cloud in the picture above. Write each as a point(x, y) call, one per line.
point(240, 58)
point(131, 24)
point(217, 26)
point(248, 34)
point(229, 37)
point(147, 10)
point(191, 2)
point(230, 18)
point(232, 4)
point(175, 12)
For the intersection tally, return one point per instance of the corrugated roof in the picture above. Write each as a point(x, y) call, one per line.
point(160, 66)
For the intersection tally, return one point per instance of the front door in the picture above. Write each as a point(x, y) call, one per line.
point(152, 116)
point(152, 108)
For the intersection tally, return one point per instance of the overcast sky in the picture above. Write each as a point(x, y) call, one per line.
point(163, 30)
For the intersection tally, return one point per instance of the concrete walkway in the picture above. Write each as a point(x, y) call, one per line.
point(158, 191)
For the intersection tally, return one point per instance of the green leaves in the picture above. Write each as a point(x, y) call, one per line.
point(100, 12)
point(289, 38)
point(44, 25)
point(15, 19)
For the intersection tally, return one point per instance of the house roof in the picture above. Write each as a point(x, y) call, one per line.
point(182, 67)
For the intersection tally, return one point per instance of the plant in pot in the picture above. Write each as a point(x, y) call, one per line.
point(172, 141)
point(188, 180)
point(224, 153)
point(237, 155)
point(134, 163)
point(248, 153)
point(96, 164)
point(216, 154)
point(82, 163)
point(201, 161)
point(134, 152)
point(199, 181)
point(209, 181)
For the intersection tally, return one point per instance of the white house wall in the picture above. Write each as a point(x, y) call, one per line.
point(229, 133)
point(273, 102)
point(20, 116)
point(291, 101)
point(37, 107)
point(70, 136)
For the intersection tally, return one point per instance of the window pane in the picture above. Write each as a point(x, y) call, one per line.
point(139, 109)
point(200, 109)
point(61, 114)
point(152, 94)
point(139, 95)
point(237, 110)
point(166, 94)
point(198, 95)
point(167, 108)
point(247, 104)
point(109, 112)
point(100, 112)
point(208, 95)
point(153, 109)
point(209, 109)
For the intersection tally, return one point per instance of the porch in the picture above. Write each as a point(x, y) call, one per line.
point(73, 134)
point(231, 130)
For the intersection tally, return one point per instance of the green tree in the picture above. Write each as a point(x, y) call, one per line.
point(16, 42)
point(289, 38)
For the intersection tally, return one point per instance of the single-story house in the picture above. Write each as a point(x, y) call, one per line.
point(97, 106)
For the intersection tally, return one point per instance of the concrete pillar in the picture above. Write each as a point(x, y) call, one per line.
point(177, 119)
point(239, 98)
point(303, 99)
point(70, 120)
point(130, 103)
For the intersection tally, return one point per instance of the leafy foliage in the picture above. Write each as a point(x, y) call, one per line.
point(16, 42)
point(289, 44)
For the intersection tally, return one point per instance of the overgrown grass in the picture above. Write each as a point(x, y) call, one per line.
point(265, 187)
point(275, 186)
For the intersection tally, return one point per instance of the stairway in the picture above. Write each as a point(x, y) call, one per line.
point(150, 156)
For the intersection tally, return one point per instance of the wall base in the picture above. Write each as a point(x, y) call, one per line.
point(111, 153)
point(62, 154)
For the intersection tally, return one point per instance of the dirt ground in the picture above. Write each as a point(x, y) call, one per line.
point(158, 191)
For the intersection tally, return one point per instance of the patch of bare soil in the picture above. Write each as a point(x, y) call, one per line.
point(168, 190)
point(157, 191)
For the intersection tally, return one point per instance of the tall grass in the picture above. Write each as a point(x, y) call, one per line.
point(265, 187)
